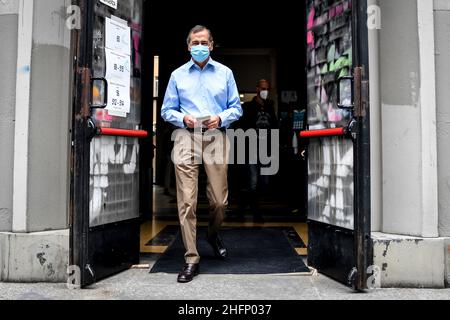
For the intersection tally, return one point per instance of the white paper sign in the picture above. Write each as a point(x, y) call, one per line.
point(110, 3)
point(118, 37)
point(118, 97)
point(117, 113)
point(118, 67)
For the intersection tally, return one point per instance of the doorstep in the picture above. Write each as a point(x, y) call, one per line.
point(410, 262)
point(34, 257)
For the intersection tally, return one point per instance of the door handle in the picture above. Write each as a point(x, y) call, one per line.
point(348, 84)
point(96, 92)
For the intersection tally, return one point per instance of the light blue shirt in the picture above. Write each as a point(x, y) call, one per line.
point(200, 93)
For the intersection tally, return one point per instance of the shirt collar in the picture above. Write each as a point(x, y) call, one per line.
point(191, 64)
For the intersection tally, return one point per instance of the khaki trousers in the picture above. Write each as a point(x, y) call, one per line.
point(190, 151)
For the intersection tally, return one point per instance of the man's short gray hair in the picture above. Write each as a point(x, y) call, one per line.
point(197, 29)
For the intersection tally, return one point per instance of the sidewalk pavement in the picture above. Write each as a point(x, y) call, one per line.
point(139, 284)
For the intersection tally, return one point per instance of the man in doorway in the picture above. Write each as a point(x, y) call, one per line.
point(202, 97)
point(258, 114)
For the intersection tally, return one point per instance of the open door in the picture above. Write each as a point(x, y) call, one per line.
point(339, 146)
point(105, 215)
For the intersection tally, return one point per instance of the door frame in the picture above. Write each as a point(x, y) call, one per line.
point(79, 200)
point(82, 131)
point(363, 242)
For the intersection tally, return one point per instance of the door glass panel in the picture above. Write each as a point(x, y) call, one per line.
point(114, 166)
point(329, 57)
point(330, 176)
point(114, 180)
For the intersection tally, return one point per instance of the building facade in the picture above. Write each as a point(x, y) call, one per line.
point(410, 140)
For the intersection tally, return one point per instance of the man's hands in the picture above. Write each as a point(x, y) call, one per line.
point(214, 123)
point(190, 122)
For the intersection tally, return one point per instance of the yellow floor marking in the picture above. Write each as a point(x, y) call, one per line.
point(154, 249)
point(302, 230)
point(302, 251)
point(149, 230)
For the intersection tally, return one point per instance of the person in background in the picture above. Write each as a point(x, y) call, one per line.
point(258, 114)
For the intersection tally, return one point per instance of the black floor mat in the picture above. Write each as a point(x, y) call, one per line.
point(251, 251)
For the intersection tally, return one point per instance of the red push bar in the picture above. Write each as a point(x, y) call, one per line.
point(322, 133)
point(122, 133)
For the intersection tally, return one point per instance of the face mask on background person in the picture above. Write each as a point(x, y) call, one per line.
point(200, 53)
point(264, 94)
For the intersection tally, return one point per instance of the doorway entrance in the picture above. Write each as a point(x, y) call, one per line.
point(254, 48)
point(252, 45)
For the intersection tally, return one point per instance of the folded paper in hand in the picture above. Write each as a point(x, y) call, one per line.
point(200, 121)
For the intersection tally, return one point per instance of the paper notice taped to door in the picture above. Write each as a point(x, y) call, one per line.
point(118, 97)
point(118, 67)
point(118, 37)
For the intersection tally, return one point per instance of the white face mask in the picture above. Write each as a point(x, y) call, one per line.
point(264, 94)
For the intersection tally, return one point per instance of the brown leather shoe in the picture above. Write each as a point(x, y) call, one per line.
point(189, 272)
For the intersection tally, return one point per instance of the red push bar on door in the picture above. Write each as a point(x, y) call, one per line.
point(122, 133)
point(323, 133)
